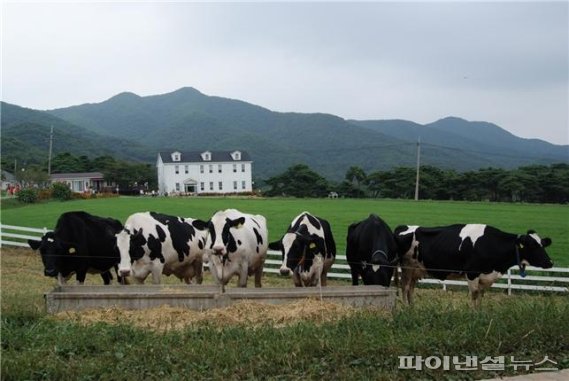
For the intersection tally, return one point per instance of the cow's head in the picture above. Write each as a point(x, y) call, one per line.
point(298, 249)
point(379, 270)
point(51, 251)
point(221, 238)
point(131, 247)
point(532, 250)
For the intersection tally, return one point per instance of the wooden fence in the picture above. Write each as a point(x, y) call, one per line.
point(555, 279)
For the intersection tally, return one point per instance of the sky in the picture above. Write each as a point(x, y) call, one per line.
point(501, 62)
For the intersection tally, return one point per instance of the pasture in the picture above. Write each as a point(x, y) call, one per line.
point(547, 219)
point(305, 341)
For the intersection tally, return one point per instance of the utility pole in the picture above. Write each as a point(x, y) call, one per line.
point(50, 148)
point(418, 166)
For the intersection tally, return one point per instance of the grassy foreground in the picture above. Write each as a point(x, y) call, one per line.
point(362, 346)
point(548, 220)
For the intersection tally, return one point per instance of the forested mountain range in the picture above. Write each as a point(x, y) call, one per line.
point(135, 127)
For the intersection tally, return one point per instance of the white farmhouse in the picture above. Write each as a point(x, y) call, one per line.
point(204, 172)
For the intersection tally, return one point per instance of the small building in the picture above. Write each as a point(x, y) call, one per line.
point(82, 182)
point(204, 172)
point(8, 180)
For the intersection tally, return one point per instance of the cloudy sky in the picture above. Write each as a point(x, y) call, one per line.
point(503, 62)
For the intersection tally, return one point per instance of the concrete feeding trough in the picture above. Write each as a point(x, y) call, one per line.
point(198, 297)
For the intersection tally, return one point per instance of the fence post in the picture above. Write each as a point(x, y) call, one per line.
point(509, 282)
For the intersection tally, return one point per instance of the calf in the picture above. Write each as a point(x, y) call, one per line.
point(80, 243)
point(481, 253)
point(371, 251)
point(154, 243)
point(308, 250)
point(237, 245)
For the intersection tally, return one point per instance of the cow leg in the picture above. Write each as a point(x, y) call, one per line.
point(296, 279)
point(61, 280)
point(198, 267)
point(406, 281)
point(107, 277)
point(258, 277)
point(355, 277)
point(411, 290)
point(475, 292)
point(324, 278)
point(156, 274)
point(81, 275)
point(243, 274)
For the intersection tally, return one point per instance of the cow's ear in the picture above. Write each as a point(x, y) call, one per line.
point(531, 231)
point(546, 242)
point(237, 223)
point(138, 238)
point(277, 245)
point(199, 224)
point(34, 244)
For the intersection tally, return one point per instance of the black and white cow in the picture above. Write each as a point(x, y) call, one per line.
point(308, 250)
point(481, 253)
point(154, 243)
point(80, 243)
point(371, 251)
point(237, 245)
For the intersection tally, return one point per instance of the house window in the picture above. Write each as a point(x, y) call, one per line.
point(211, 185)
point(177, 187)
point(243, 185)
point(202, 186)
point(234, 168)
point(235, 185)
point(210, 168)
point(219, 168)
point(220, 185)
point(186, 169)
point(201, 168)
point(242, 167)
point(177, 169)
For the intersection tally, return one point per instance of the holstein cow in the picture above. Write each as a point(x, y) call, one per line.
point(371, 251)
point(80, 243)
point(308, 250)
point(481, 253)
point(154, 243)
point(236, 245)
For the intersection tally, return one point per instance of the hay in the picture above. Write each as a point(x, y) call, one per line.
point(247, 314)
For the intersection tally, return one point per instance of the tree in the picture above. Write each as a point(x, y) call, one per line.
point(298, 181)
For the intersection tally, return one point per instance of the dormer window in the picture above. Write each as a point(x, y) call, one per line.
point(236, 155)
point(176, 156)
point(206, 156)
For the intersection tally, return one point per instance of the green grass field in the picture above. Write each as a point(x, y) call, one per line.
point(548, 220)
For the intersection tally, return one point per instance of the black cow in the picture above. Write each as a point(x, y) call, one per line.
point(481, 253)
point(308, 250)
point(371, 251)
point(80, 243)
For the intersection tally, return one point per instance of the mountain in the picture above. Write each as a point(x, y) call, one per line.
point(25, 137)
point(481, 139)
point(188, 120)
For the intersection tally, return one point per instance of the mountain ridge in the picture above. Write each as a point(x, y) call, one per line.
point(188, 120)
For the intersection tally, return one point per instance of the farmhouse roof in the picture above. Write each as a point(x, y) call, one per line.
point(196, 156)
point(77, 175)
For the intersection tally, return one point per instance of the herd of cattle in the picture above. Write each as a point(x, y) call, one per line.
point(236, 243)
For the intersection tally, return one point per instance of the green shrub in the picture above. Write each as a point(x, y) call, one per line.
point(27, 195)
point(61, 192)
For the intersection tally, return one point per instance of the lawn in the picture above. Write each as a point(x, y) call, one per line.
point(232, 344)
point(548, 220)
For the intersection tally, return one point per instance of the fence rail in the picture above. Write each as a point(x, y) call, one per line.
point(555, 280)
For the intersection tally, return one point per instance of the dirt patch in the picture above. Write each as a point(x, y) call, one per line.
point(247, 314)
